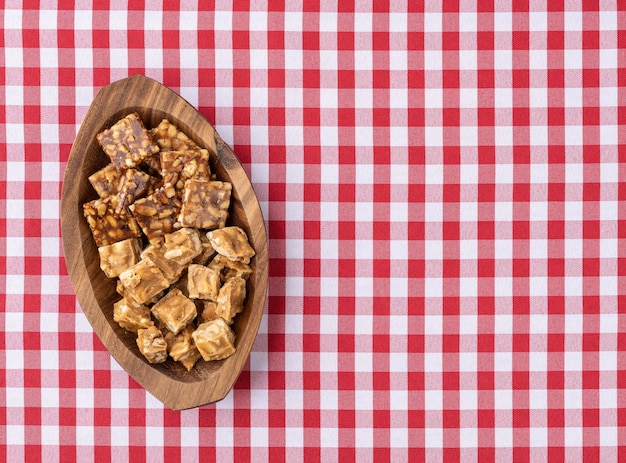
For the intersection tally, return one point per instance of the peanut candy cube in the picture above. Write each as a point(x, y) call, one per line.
point(108, 226)
point(181, 347)
point(202, 282)
point(230, 298)
point(157, 214)
point(175, 310)
point(179, 166)
point(215, 340)
point(128, 184)
point(171, 269)
point(143, 280)
point(230, 268)
point(231, 242)
point(183, 245)
point(132, 315)
point(107, 181)
point(170, 138)
point(207, 251)
point(152, 344)
point(209, 311)
point(127, 142)
point(117, 257)
point(205, 204)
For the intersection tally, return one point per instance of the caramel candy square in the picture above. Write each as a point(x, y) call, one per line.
point(203, 282)
point(132, 315)
point(175, 310)
point(230, 268)
point(179, 166)
point(107, 181)
point(157, 214)
point(171, 269)
point(183, 245)
point(230, 298)
point(181, 347)
point(152, 344)
point(108, 226)
point(127, 142)
point(231, 242)
point(170, 138)
point(144, 280)
point(117, 257)
point(215, 340)
point(205, 204)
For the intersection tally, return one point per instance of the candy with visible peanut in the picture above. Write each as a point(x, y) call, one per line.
point(231, 242)
point(203, 282)
point(117, 257)
point(132, 315)
point(215, 340)
point(181, 347)
point(108, 226)
point(230, 298)
point(144, 280)
point(175, 310)
point(152, 344)
point(205, 204)
point(127, 142)
point(157, 214)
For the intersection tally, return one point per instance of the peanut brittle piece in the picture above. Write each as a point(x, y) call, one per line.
point(171, 269)
point(181, 347)
point(230, 298)
point(215, 340)
point(183, 245)
point(209, 310)
point(108, 226)
point(152, 344)
point(170, 138)
point(107, 181)
point(117, 257)
point(157, 214)
point(127, 142)
point(231, 242)
point(132, 315)
point(207, 253)
point(144, 280)
point(179, 166)
point(205, 204)
point(174, 310)
point(127, 184)
point(230, 268)
point(203, 282)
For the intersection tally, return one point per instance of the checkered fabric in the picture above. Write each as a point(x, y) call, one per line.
point(444, 188)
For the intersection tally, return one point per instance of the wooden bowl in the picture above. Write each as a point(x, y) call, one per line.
point(169, 382)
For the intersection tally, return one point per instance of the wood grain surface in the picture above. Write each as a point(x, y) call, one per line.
point(169, 382)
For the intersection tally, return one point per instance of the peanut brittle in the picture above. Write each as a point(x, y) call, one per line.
point(179, 166)
point(169, 138)
point(132, 315)
point(203, 282)
point(230, 298)
point(144, 280)
point(174, 310)
point(127, 142)
point(181, 292)
point(117, 257)
point(183, 245)
point(157, 214)
point(108, 226)
point(231, 242)
point(181, 347)
point(205, 204)
point(152, 344)
point(215, 340)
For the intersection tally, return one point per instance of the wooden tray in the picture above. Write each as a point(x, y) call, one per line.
point(169, 382)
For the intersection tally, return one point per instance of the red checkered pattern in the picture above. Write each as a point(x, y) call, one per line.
point(444, 186)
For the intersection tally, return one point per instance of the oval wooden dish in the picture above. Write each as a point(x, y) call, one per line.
point(169, 382)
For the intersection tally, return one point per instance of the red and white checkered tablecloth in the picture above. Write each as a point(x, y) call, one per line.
point(444, 188)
